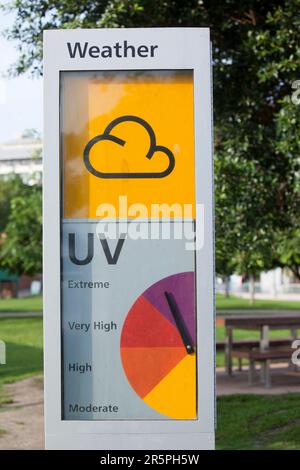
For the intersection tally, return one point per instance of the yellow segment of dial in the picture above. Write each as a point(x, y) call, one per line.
point(175, 395)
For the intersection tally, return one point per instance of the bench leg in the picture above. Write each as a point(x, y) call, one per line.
point(268, 381)
point(262, 372)
point(292, 367)
point(251, 372)
point(228, 351)
point(240, 367)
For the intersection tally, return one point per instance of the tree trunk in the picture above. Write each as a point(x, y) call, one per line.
point(227, 286)
point(274, 287)
point(252, 289)
point(296, 271)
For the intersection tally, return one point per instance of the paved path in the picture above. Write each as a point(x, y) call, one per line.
point(283, 381)
point(22, 421)
point(264, 296)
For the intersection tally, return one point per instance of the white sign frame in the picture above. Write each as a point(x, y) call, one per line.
point(178, 48)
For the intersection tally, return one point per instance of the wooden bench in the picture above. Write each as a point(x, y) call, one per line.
point(250, 343)
point(265, 357)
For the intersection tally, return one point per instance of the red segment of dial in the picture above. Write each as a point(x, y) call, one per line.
point(146, 327)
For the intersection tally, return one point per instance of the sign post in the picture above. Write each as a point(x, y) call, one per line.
point(128, 239)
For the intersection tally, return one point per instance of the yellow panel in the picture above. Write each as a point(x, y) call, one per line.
point(175, 395)
point(75, 133)
point(90, 102)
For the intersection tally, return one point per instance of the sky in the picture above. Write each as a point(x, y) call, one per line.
point(21, 98)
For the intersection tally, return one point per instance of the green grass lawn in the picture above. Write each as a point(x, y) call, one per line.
point(24, 348)
point(248, 334)
point(28, 304)
point(258, 422)
point(235, 303)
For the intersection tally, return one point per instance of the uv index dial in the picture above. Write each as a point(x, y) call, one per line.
point(158, 354)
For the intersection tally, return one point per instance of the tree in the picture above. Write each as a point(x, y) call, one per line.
point(8, 189)
point(278, 51)
point(21, 248)
point(288, 251)
point(32, 17)
point(31, 134)
point(255, 55)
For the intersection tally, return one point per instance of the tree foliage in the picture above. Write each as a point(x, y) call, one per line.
point(21, 247)
point(288, 250)
point(256, 53)
point(8, 189)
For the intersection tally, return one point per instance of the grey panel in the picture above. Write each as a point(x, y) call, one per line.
point(141, 263)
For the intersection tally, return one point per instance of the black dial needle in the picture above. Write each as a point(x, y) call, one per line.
point(185, 336)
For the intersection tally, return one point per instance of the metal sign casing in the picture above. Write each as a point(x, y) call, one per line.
point(128, 323)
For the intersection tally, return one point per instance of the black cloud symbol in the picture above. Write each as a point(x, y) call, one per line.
point(110, 137)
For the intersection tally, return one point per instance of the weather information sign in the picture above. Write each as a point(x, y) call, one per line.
point(133, 225)
point(125, 354)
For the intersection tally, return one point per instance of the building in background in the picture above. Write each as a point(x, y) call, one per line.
point(278, 283)
point(22, 156)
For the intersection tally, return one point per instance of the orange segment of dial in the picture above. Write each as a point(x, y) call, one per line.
point(146, 327)
point(146, 367)
point(175, 395)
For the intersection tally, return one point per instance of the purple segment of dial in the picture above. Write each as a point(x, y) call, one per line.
point(182, 286)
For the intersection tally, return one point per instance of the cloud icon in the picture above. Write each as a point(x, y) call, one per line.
point(107, 136)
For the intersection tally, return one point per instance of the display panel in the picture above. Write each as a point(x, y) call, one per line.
point(128, 303)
